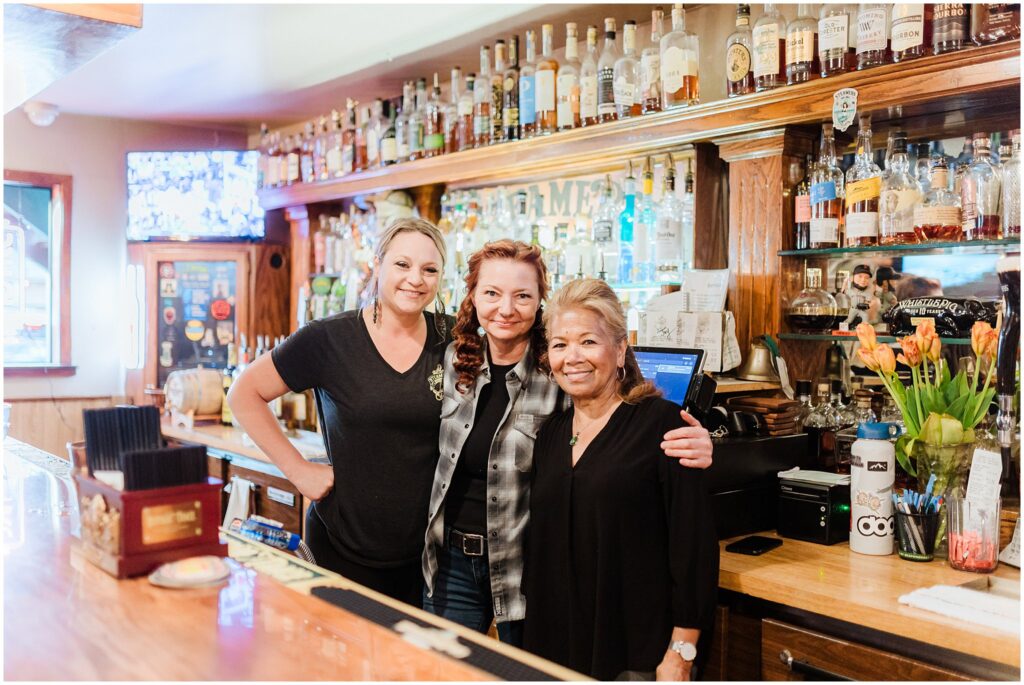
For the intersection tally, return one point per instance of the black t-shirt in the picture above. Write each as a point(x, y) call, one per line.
point(380, 429)
point(466, 504)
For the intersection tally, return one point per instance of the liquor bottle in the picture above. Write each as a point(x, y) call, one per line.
point(820, 425)
point(568, 85)
point(803, 396)
point(980, 193)
point(605, 248)
point(540, 227)
point(739, 77)
point(680, 57)
point(418, 121)
point(388, 136)
point(498, 92)
point(433, 130)
point(544, 84)
point(1011, 189)
point(919, 167)
point(226, 417)
point(843, 412)
point(320, 141)
point(261, 164)
point(668, 234)
point(510, 93)
point(555, 257)
point(863, 188)
point(951, 27)
point(465, 125)
point(606, 74)
point(645, 227)
point(588, 81)
point(873, 35)
point(801, 46)
point(937, 217)
point(374, 131)
point(306, 154)
point(521, 222)
point(528, 90)
point(689, 216)
point(271, 164)
point(911, 31)
point(359, 154)
point(451, 113)
point(402, 121)
point(294, 159)
point(626, 89)
point(650, 67)
point(993, 22)
point(348, 138)
point(828, 190)
point(627, 222)
point(900, 195)
point(834, 28)
point(579, 252)
point(482, 101)
point(769, 49)
point(284, 147)
point(802, 207)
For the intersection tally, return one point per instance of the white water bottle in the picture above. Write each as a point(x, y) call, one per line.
point(872, 474)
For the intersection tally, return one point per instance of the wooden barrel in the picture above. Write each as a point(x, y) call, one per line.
point(197, 390)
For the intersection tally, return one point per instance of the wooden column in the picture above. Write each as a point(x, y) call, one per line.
point(428, 201)
point(301, 256)
point(711, 211)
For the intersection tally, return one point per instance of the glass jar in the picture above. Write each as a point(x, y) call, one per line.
point(814, 310)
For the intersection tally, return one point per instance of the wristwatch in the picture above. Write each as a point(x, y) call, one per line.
point(687, 650)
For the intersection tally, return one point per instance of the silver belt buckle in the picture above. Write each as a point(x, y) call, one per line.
point(473, 545)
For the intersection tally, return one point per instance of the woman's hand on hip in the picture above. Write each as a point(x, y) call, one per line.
point(673, 667)
point(314, 481)
point(691, 444)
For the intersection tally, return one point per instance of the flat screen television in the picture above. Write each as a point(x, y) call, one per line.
point(202, 195)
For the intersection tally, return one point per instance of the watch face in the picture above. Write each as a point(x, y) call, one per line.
point(687, 650)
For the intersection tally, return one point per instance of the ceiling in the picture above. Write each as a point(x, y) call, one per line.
point(237, 65)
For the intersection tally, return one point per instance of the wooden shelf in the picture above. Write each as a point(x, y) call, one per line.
point(1003, 245)
point(985, 78)
point(852, 337)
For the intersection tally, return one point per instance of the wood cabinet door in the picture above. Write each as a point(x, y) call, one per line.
point(275, 498)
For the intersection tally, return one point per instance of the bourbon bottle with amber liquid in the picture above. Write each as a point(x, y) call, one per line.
point(863, 189)
point(828, 188)
point(739, 75)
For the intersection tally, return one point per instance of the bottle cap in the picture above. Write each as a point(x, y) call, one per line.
point(803, 387)
point(877, 431)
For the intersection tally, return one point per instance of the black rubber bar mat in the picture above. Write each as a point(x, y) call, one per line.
point(485, 659)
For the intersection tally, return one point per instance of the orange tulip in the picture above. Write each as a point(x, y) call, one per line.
point(866, 336)
point(868, 357)
point(979, 331)
point(911, 354)
point(886, 359)
point(928, 341)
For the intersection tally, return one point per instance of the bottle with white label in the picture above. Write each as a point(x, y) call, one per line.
point(644, 227)
point(544, 84)
point(680, 56)
point(834, 27)
point(650, 67)
point(910, 35)
point(464, 128)
point(801, 46)
point(900, 195)
point(588, 80)
point(937, 218)
point(606, 249)
point(769, 49)
point(606, 74)
point(527, 91)
point(568, 85)
point(739, 75)
point(863, 188)
point(873, 35)
point(511, 128)
point(872, 476)
point(482, 101)
point(626, 74)
point(451, 113)
point(828, 188)
point(667, 240)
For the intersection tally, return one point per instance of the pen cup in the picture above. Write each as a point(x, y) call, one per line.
point(973, 533)
point(915, 535)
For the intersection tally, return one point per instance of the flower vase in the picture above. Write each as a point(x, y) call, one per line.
point(951, 465)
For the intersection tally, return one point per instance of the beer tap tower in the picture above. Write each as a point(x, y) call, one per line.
point(1006, 367)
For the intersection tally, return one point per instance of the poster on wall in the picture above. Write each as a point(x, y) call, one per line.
point(197, 305)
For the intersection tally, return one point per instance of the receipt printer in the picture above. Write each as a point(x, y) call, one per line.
point(814, 511)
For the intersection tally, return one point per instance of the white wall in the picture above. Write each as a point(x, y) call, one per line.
point(92, 151)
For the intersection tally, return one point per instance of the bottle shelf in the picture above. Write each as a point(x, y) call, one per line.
point(819, 337)
point(972, 247)
point(629, 287)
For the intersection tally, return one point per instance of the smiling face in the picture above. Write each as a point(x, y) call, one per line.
point(584, 357)
point(409, 273)
point(507, 297)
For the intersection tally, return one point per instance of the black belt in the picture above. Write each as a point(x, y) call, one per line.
point(471, 545)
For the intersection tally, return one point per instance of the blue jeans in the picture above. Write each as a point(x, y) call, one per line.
point(462, 594)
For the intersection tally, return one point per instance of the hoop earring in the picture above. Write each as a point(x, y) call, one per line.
point(377, 314)
point(551, 377)
point(621, 377)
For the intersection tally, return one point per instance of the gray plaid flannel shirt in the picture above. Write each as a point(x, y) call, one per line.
point(532, 399)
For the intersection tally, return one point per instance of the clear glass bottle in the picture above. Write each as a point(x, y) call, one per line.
point(951, 27)
point(862, 412)
point(650, 66)
point(980, 193)
point(994, 22)
point(873, 35)
point(527, 89)
point(271, 164)
point(911, 32)
point(306, 153)
point(359, 161)
point(588, 81)
point(606, 74)
point(510, 94)
point(568, 85)
point(521, 220)
point(605, 243)
point(863, 188)
point(801, 46)
point(627, 222)
point(294, 158)
point(402, 121)
point(769, 49)
point(821, 426)
point(828, 191)
point(842, 285)
point(900, 195)
point(482, 101)
point(958, 167)
point(465, 126)
point(668, 234)
point(645, 227)
point(374, 130)
point(920, 165)
point(418, 121)
point(433, 130)
point(546, 87)
point(843, 412)
point(579, 252)
point(680, 59)
point(319, 159)
point(1011, 189)
point(739, 75)
point(803, 396)
point(937, 217)
point(626, 89)
point(348, 137)
point(451, 113)
point(689, 215)
point(834, 26)
point(802, 207)
point(498, 92)
point(813, 310)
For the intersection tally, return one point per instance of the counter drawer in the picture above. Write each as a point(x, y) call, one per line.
point(816, 656)
point(266, 501)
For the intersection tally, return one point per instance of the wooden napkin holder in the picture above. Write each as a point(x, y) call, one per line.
point(132, 532)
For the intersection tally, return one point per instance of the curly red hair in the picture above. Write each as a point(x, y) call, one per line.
point(469, 349)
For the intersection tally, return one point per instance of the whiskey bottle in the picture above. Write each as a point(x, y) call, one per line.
point(863, 188)
point(680, 57)
point(606, 74)
point(801, 46)
point(465, 113)
point(568, 85)
point(828, 189)
point(650, 67)
point(1011, 189)
point(627, 75)
point(951, 27)
point(873, 35)
point(911, 31)
point(482, 101)
point(388, 136)
point(451, 113)
point(498, 92)
point(980, 193)
point(510, 93)
point(433, 131)
point(739, 79)
point(418, 121)
point(527, 89)
point(588, 81)
point(348, 137)
point(834, 27)
point(402, 122)
point(900, 195)
point(769, 49)
point(545, 79)
point(802, 207)
point(937, 218)
point(359, 153)
point(993, 22)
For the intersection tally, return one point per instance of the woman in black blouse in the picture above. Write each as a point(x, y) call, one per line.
point(621, 569)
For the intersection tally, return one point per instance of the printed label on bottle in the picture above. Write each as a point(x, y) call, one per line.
point(832, 34)
point(861, 225)
point(737, 62)
point(802, 209)
point(545, 90)
point(465, 108)
point(871, 30)
point(937, 216)
point(372, 146)
point(824, 230)
point(435, 141)
point(800, 47)
point(568, 99)
point(481, 124)
point(606, 91)
point(668, 243)
point(588, 96)
point(867, 189)
point(907, 26)
point(388, 150)
point(766, 50)
point(510, 117)
point(641, 243)
point(823, 192)
point(602, 231)
point(952, 22)
point(623, 92)
point(999, 18)
point(527, 100)
point(415, 137)
point(333, 160)
point(650, 71)
point(272, 172)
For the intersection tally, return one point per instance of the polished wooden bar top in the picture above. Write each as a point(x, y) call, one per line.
point(227, 438)
point(864, 590)
point(65, 619)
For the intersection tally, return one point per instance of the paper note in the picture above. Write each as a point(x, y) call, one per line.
point(983, 481)
point(1011, 553)
point(705, 290)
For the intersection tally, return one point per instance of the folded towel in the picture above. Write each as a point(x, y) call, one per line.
point(238, 501)
point(972, 606)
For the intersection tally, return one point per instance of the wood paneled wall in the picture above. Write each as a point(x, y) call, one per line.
point(711, 213)
point(51, 423)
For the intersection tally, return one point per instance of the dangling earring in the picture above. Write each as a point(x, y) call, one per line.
point(376, 310)
point(440, 320)
point(621, 377)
